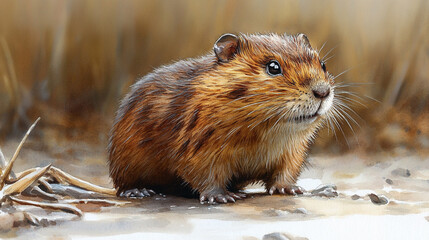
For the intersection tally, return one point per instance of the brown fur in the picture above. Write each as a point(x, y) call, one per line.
point(211, 125)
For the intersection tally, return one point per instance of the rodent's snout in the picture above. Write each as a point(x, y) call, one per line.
point(325, 94)
point(321, 91)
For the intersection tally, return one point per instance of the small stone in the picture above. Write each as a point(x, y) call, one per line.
point(328, 190)
point(401, 172)
point(270, 213)
point(389, 181)
point(6, 221)
point(281, 236)
point(379, 200)
point(275, 236)
point(300, 211)
point(275, 212)
point(355, 197)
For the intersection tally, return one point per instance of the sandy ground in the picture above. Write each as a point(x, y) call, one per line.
point(403, 179)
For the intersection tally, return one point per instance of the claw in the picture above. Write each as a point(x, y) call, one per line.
point(299, 190)
point(136, 193)
point(221, 199)
point(233, 196)
point(145, 192)
point(127, 194)
point(230, 198)
point(271, 191)
point(290, 191)
point(286, 189)
point(220, 196)
point(241, 195)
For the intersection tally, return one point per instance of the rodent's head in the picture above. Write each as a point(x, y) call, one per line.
point(275, 77)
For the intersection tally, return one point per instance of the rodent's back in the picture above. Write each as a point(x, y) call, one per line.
point(149, 122)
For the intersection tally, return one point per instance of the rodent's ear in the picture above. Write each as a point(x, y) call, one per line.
point(226, 47)
point(303, 38)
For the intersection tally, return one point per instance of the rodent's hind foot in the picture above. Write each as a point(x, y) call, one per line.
point(137, 193)
point(220, 196)
point(288, 189)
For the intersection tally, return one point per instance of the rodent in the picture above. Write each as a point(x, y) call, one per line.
point(245, 113)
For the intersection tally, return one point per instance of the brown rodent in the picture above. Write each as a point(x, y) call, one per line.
point(214, 124)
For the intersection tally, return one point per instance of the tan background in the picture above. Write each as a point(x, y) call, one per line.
point(71, 61)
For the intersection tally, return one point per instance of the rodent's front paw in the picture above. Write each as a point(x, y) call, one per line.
point(286, 189)
point(137, 193)
point(220, 196)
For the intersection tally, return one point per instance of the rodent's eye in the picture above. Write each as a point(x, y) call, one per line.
point(323, 66)
point(273, 68)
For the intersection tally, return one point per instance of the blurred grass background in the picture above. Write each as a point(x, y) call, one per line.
point(71, 61)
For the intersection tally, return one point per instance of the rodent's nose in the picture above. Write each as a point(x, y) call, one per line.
point(321, 92)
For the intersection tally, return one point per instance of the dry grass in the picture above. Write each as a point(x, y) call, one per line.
point(78, 57)
point(39, 184)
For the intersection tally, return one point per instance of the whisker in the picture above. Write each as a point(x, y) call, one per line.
point(352, 84)
point(329, 58)
point(345, 71)
point(323, 59)
point(332, 125)
point(350, 109)
point(318, 52)
point(339, 125)
point(349, 116)
point(281, 117)
point(357, 96)
point(351, 101)
point(247, 96)
point(252, 104)
point(257, 108)
point(278, 112)
point(345, 119)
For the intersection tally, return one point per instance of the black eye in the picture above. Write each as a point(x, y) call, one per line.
point(273, 68)
point(323, 66)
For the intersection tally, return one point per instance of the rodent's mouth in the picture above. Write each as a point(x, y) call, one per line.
point(305, 118)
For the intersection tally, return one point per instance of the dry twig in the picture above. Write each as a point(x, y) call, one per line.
point(9, 166)
point(47, 187)
point(36, 191)
point(2, 161)
point(24, 173)
point(24, 182)
point(97, 201)
point(45, 190)
point(55, 206)
point(64, 177)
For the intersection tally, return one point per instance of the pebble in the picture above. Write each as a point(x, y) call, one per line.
point(10, 220)
point(401, 172)
point(379, 200)
point(275, 236)
point(300, 211)
point(281, 236)
point(6, 221)
point(328, 190)
point(389, 181)
point(274, 212)
point(355, 197)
